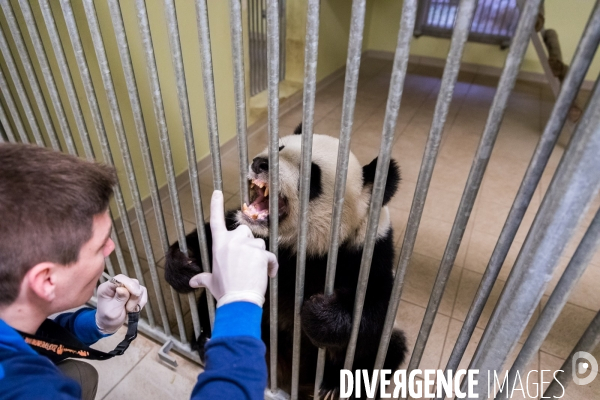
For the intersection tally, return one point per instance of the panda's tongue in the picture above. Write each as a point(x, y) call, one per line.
point(259, 208)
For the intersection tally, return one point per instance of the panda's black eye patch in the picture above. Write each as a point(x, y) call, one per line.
point(315, 181)
point(281, 147)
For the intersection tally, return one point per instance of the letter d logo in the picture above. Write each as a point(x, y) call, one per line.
point(580, 368)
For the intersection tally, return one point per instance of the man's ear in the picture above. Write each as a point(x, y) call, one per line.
point(41, 280)
point(392, 182)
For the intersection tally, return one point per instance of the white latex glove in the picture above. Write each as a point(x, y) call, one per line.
point(240, 262)
point(115, 301)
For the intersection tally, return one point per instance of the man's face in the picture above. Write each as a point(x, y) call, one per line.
point(76, 282)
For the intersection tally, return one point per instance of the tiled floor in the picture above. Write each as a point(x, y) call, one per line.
point(138, 374)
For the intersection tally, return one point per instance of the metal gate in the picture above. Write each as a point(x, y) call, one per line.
point(575, 183)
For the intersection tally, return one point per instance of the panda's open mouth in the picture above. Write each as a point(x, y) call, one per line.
point(258, 210)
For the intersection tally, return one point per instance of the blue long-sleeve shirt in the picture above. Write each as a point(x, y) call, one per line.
point(235, 359)
point(24, 374)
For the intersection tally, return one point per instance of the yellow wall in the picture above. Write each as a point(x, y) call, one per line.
point(334, 28)
point(567, 18)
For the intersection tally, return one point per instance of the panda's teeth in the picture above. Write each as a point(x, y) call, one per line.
point(267, 191)
point(245, 207)
point(254, 216)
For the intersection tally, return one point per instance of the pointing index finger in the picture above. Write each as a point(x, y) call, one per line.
point(217, 213)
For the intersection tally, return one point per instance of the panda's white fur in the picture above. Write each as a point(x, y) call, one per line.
point(356, 199)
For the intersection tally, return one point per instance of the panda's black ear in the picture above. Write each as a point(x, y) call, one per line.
point(298, 129)
point(393, 178)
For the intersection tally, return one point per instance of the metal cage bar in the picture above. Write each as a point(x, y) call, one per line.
point(273, 130)
point(184, 109)
point(450, 75)
point(575, 269)
point(134, 99)
point(310, 84)
point(38, 46)
point(581, 62)
point(588, 342)
point(237, 50)
point(357, 22)
point(21, 93)
point(67, 79)
point(161, 124)
point(555, 222)
point(12, 108)
point(10, 136)
point(482, 156)
point(100, 129)
point(17, 37)
point(115, 113)
point(209, 92)
point(409, 12)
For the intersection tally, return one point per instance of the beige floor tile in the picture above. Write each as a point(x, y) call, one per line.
point(550, 363)
point(153, 380)
point(409, 319)
point(502, 179)
point(112, 371)
point(568, 328)
point(469, 284)
point(490, 218)
point(433, 237)
point(419, 279)
point(480, 251)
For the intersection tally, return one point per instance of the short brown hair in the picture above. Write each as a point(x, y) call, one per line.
point(48, 201)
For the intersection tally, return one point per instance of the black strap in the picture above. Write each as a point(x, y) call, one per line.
point(57, 343)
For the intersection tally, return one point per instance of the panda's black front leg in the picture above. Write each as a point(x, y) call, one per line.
point(327, 320)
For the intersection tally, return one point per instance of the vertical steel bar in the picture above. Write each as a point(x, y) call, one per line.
point(273, 129)
point(482, 156)
point(573, 187)
point(237, 55)
point(588, 342)
point(576, 267)
point(115, 113)
point(581, 61)
point(20, 89)
point(464, 18)
point(357, 22)
point(12, 108)
point(17, 37)
point(282, 39)
point(48, 77)
point(310, 84)
point(409, 12)
point(76, 107)
point(209, 91)
point(67, 80)
point(6, 124)
point(263, 47)
point(161, 124)
point(184, 108)
point(138, 117)
point(99, 125)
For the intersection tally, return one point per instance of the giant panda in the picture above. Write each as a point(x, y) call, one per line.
point(326, 320)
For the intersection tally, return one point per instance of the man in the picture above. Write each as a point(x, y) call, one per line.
point(54, 236)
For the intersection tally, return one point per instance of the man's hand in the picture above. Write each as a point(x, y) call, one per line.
point(115, 301)
point(240, 262)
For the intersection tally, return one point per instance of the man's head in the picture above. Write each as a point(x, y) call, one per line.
point(54, 224)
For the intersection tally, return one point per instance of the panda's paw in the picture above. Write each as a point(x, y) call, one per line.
point(324, 322)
